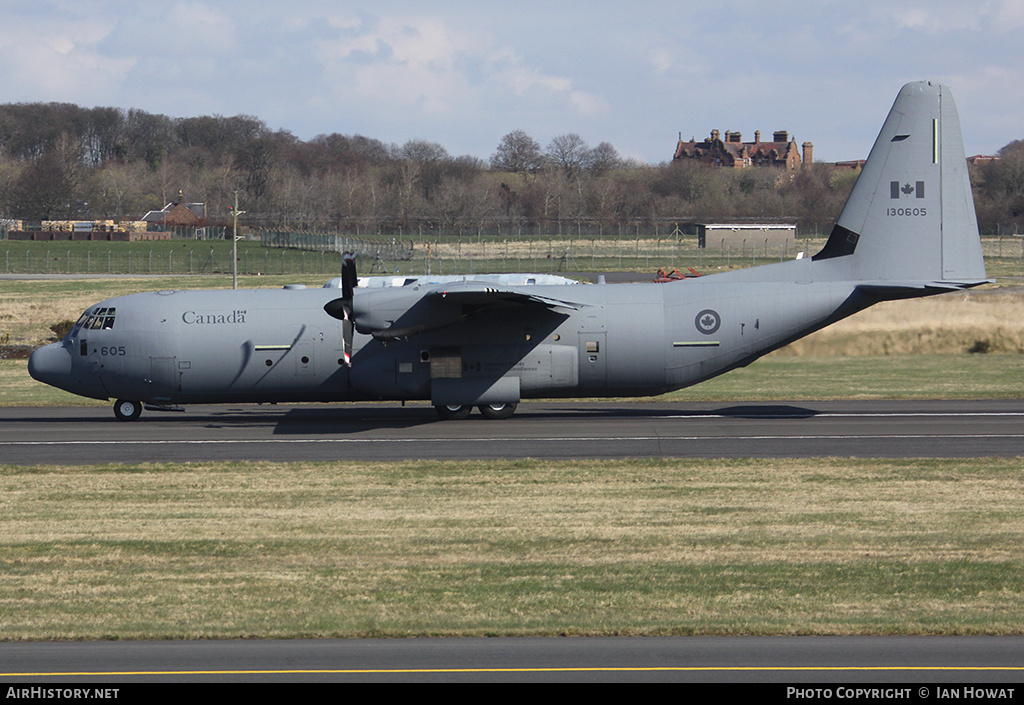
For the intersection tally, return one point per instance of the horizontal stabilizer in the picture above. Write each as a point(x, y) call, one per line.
point(891, 291)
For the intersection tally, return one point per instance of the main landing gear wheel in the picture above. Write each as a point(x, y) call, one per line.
point(497, 411)
point(453, 412)
point(126, 410)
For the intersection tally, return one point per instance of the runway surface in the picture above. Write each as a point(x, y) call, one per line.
point(846, 661)
point(88, 435)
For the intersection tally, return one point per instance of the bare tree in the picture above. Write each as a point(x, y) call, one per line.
point(570, 154)
point(1003, 186)
point(518, 153)
point(603, 158)
point(43, 190)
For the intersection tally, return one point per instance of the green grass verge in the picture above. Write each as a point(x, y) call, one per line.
point(779, 377)
point(637, 547)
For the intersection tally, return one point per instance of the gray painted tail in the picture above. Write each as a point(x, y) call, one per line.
point(910, 218)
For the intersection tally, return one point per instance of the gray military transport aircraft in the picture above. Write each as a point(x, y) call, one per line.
point(907, 230)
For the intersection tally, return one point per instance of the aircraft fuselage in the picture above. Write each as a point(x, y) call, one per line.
point(179, 347)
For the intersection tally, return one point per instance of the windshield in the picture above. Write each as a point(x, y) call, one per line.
point(97, 319)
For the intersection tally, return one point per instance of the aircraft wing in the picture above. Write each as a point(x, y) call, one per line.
point(470, 293)
point(401, 312)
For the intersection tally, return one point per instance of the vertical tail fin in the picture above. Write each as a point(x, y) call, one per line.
point(910, 217)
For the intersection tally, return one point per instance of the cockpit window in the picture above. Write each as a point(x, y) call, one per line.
point(99, 319)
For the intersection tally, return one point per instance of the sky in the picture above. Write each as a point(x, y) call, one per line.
point(463, 74)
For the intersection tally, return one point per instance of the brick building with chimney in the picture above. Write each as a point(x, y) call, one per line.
point(178, 215)
point(781, 152)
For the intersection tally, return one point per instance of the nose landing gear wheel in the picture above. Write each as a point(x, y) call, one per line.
point(453, 412)
point(127, 410)
point(497, 411)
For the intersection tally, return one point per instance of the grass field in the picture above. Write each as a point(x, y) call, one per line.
point(512, 548)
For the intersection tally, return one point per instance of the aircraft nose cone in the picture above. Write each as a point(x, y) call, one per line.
point(50, 364)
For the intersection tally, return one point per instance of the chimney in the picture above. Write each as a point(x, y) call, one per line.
point(781, 136)
point(808, 153)
point(757, 137)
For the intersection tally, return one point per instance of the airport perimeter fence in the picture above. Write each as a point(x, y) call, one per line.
point(317, 254)
point(159, 259)
point(558, 248)
point(170, 258)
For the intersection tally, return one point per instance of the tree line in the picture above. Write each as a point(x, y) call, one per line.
point(62, 161)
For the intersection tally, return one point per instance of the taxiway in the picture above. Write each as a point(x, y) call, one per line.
point(836, 660)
